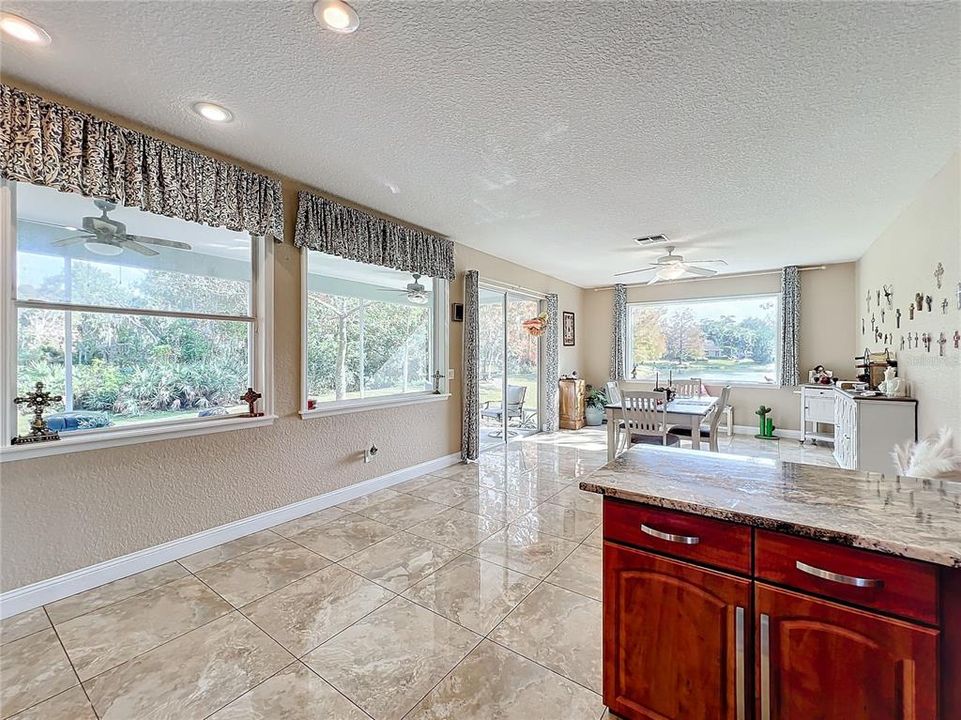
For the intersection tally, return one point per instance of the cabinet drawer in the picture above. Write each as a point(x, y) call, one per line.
point(901, 587)
point(704, 540)
point(818, 392)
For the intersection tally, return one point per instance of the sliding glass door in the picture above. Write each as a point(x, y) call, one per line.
point(509, 372)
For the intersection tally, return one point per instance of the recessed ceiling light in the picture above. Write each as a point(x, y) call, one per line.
point(22, 29)
point(212, 112)
point(336, 15)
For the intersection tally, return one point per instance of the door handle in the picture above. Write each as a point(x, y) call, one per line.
point(670, 537)
point(765, 667)
point(739, 662)
point(838, 577)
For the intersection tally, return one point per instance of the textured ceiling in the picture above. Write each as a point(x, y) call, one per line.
point(551, 133)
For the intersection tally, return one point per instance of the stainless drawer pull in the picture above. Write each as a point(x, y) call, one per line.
point(682, 539)
point(739, 699)
point(765, 667)
point(837, 577)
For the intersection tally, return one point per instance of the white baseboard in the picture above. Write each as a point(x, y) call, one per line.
point(40, 593)
point(752, 431)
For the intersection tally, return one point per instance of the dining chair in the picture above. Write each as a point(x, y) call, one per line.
point(613, 393)
point(710, 426)
point(689, 388)
point(645, 418)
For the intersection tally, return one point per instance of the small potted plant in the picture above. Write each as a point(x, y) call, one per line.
point(596, 399)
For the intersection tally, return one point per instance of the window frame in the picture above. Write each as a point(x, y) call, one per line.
point(439, 346)
point(261, 340)
point(628, 343)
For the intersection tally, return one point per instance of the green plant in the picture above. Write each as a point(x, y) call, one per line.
point(596, 397)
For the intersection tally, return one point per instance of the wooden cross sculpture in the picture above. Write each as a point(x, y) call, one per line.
point(938, 274)
point(251, 397)
point(941, 342)
point(37, 401)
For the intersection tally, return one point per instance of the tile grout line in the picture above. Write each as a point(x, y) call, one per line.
point(72, 667)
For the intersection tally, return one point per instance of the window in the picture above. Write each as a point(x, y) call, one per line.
point(371, 334)
point(724, 340)
point(135, 319)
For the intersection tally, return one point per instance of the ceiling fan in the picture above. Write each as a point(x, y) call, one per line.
point(415, 292)
point(105, 236)
point(672, 267)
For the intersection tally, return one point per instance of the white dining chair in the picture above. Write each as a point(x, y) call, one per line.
point(710, 427)
point(645, 418)
point(689, 388)
point(613, 393)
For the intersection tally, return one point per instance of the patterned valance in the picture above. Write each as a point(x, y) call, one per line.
point(45, 143)
point(350, 233)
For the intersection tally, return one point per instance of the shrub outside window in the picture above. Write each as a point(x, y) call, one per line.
point(720, 340)
point(371, 333)
point(133, 318)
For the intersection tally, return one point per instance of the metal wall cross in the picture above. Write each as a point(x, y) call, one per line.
point(938, 274)
point(941, 342)
point(38, 401)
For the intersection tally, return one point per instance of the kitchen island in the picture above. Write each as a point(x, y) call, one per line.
point(739, 588)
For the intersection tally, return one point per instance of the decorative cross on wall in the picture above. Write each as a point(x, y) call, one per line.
point(911, 311)
point(959, 296)
point(878, 298)
point(902, 342)
point(941, 341)
point(957, 339)
point(928, 302)
point(919, 300)
point(867, 302)
point(251, 397)
point(938, 274)
point(882, 315)
point(926, 341)
point(897, 317)
point(889, 295)
point(944, 306)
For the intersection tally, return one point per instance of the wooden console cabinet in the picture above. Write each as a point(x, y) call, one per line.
point(573, 403)
point(705, 619)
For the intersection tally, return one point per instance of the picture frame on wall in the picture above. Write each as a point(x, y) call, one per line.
point(567, 327)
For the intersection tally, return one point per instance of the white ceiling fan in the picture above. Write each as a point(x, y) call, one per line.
point(415, 292)
point(105, 236)
point(672, 267)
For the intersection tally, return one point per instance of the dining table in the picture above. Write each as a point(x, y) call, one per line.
point(688, 411)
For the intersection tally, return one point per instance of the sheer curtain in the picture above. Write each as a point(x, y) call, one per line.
point(789, 327)
point(470, 420)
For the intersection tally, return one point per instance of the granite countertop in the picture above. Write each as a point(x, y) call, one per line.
point(908, 517)
point(855, 395)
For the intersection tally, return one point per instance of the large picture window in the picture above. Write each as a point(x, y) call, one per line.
point(134, 318)
point(371, 333)
point(724, 340)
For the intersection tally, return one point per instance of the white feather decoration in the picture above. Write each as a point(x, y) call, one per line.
point(932, 458)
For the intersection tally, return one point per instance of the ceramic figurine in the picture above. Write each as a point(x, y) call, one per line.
point(891, 386)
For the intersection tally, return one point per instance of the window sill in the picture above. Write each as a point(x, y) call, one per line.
point(132, 436)
point(354, 406)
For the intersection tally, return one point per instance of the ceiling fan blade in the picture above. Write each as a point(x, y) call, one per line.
point(702, 272)
point(159, 241)
point(654, 279)
point(73, 240)
point(137, 247)
point(631, 272)
point(705, 262)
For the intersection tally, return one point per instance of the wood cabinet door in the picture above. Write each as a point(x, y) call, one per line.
point(818, 660)
point(674, 639)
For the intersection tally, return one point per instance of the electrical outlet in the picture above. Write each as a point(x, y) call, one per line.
point(450, 373)
point(370, 453)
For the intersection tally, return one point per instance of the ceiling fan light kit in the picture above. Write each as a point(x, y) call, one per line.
point(673, 267)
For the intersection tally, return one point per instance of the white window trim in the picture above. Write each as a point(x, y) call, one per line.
point(262, 289)
point(342, 407)
point(720, 382)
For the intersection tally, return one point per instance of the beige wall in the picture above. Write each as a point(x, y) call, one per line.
point(905, 255)
point(69, 511)
point(827, 311)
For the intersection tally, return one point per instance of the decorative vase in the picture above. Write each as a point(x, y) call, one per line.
point(594, 415)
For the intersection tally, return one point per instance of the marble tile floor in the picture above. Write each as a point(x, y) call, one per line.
point(470, 593)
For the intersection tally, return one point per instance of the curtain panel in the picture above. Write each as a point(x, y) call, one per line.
point(350, 233)
point(789, 327)
point(470, 396)
point(49, 144)
point(618, 370)
point(551, 419)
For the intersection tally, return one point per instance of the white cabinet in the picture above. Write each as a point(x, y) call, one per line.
point(817, 408)
point(866, 431)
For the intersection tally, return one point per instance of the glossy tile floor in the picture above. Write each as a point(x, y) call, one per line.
point(473, 592)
